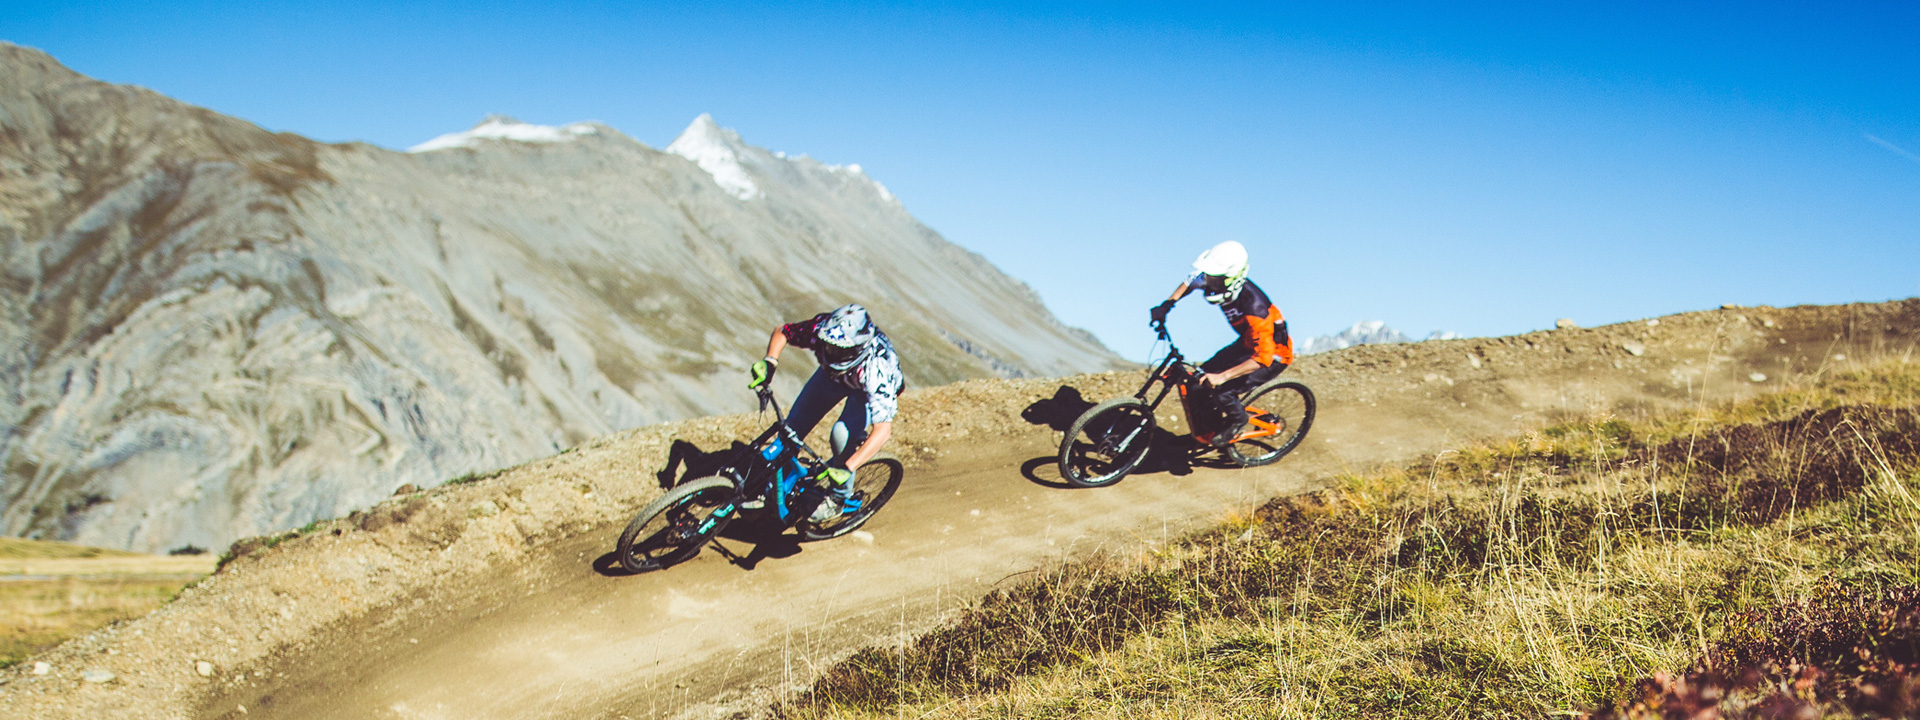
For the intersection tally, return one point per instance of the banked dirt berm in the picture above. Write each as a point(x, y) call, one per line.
point(481, 599)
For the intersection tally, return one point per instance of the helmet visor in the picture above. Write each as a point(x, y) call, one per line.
point(838, 357)
point(1213, 284)
point(1219, 288)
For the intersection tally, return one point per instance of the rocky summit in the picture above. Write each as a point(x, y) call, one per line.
point(210, 331)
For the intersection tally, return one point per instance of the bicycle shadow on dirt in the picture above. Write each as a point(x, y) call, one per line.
point(1175, 455)
point(763, 537)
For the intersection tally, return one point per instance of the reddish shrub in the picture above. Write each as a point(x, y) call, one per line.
point(1763, 472)
point(1843, 650)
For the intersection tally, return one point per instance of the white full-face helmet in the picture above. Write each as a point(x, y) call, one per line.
point(847, 335)
point(1224, 269)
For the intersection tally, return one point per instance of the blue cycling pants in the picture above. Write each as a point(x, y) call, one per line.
point(820, 395)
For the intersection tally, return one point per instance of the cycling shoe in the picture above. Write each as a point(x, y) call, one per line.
point(828, 510)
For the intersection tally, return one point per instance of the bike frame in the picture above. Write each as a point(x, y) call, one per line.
point(1174, 372)
point(778, 452)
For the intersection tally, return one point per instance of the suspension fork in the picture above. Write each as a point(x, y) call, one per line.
point(1152, 408)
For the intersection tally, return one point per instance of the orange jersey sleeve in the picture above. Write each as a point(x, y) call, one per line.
point(1267, 337)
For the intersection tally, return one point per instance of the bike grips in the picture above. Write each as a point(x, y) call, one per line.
point(761, 372)
point(1159, 312)
point(835, 476)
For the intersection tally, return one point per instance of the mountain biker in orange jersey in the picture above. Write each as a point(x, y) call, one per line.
point(858, 364)
point(1263, 351)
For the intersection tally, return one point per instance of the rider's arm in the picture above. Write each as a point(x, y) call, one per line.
point(1243, 368)
point(1159, 313)
point(777, 343)
point(877, 436)
point(1180, 292)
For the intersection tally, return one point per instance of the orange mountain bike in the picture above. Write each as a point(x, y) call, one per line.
point(1110, 439)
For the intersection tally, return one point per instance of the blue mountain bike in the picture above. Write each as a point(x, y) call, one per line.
point(776, 468)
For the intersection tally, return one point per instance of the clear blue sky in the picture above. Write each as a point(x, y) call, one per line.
point(1483, 169)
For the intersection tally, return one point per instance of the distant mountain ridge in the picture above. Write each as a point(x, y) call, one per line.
point(210, 331)
point(1369, 332)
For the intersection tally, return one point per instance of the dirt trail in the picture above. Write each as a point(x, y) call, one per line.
point(537, 628)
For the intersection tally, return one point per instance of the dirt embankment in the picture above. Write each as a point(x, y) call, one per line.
point(420, 606)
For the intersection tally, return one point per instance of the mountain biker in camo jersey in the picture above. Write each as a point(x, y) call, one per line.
point(858, 364)
point(1263, 351)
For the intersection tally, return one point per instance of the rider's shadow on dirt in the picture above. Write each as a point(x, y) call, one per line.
point(764, 537)
point(686, 461)
point(1057, 412)
point(1169, 453)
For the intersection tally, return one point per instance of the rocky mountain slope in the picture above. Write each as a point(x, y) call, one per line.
point(210, 331)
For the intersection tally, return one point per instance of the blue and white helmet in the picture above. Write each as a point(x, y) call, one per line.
point(848, 335)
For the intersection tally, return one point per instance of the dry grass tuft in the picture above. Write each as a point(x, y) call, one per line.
point(1532, 577)
point(50, 591)
point(40, 613)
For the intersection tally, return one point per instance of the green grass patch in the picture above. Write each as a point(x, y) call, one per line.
point(39, 614)
point(20, 548)
point(1546, 575)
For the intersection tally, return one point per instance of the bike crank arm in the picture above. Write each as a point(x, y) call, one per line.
point(1262, 429)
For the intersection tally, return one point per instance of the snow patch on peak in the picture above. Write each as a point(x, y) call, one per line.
point(716, 150)
point(854, 169)
point(1368, 332)
point(501, 127)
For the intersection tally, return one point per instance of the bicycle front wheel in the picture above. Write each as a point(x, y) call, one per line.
point(673, 528)
point(873, 486)
point(1106, 443)
point(1278, 418)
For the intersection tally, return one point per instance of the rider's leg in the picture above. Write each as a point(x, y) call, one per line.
point(1228, 395)
point(1233, 391)
point(854, 415)
point(1224, 400)
point(819, 395)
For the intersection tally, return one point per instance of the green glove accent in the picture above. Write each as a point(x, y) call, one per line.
point(761, 373)
point(835, 476)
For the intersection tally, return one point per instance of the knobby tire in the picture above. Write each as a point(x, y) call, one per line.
point(874, 484)
point(1290, 405)
point(1092, 453)
point(649, 545)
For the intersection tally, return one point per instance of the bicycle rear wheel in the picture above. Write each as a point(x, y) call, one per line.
point(674, 527)
point(873, 486)
point(1279, 416)
point(1106, 443)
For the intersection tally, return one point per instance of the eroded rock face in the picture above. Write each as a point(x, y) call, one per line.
point(209, 331)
